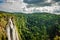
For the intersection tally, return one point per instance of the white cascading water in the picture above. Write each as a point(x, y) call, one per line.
point(11, 31)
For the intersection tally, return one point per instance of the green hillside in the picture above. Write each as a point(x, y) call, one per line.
point(36, 26)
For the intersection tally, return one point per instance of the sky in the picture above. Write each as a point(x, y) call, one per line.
point(30, 6)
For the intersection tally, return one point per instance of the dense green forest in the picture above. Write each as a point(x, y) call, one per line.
point(35, 26)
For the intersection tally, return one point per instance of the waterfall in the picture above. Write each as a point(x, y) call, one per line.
point(11, 31)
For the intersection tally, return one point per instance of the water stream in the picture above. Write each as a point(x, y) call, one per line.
point(11, 31)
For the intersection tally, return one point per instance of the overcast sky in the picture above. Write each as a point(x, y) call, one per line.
point(29, 6)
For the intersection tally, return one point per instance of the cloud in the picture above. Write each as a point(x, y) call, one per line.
point(48, 9)
point(50, 6)
point(33, 1)
point(56, 0)
point(13, 5)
